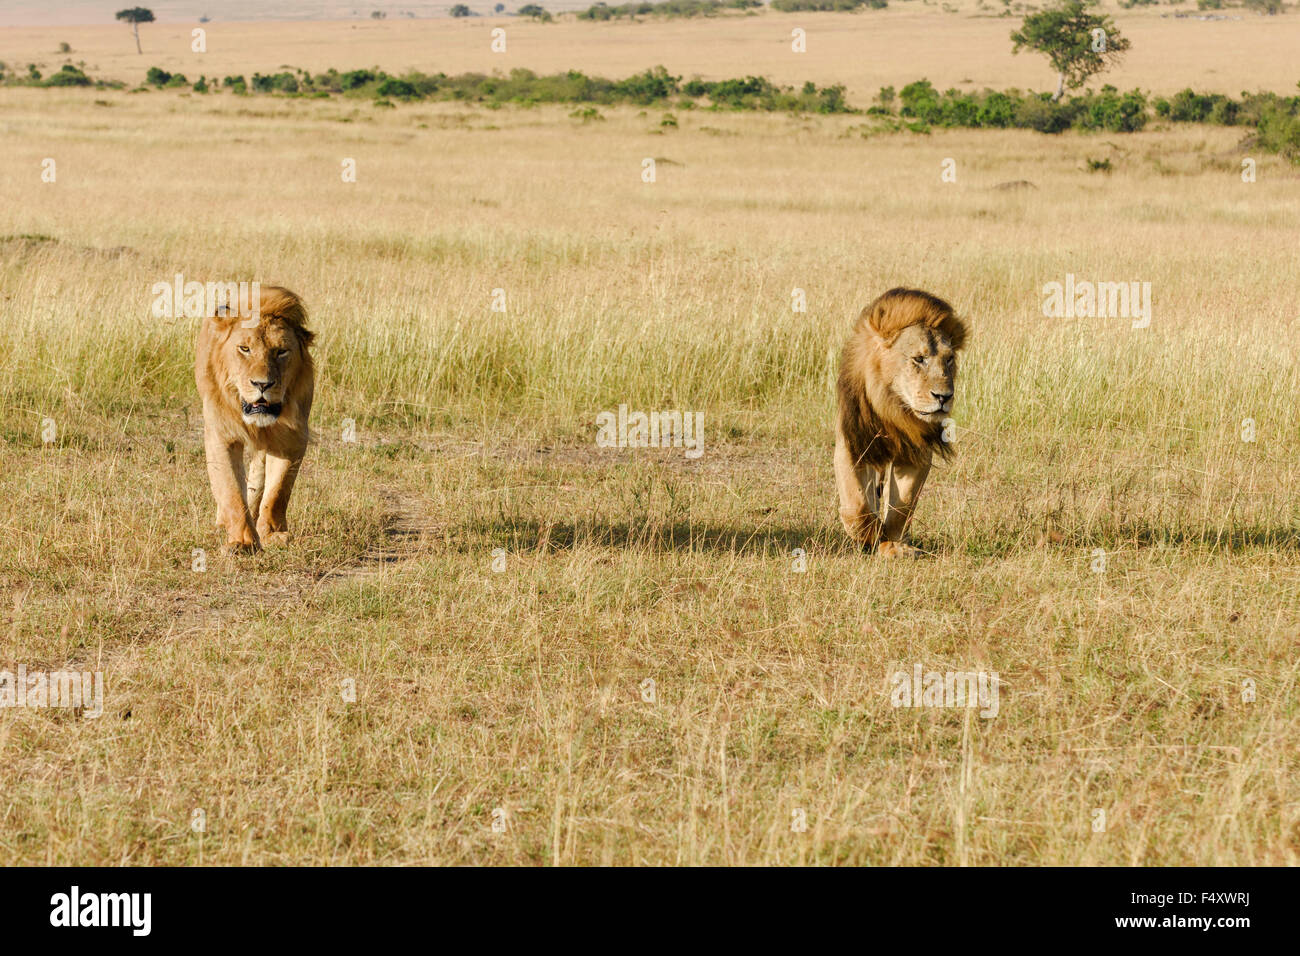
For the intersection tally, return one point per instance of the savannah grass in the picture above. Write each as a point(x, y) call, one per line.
point(521, 689)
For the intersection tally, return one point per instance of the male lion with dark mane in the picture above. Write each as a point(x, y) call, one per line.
point(256, 380)
point(896, 387)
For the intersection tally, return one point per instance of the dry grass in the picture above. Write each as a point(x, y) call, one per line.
point(520, 689)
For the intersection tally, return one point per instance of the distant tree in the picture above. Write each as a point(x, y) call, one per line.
point(535, 11)
point(460, 10)
point(499, 8)
point(135, 16)
point(378, 15)
point(1076, 42)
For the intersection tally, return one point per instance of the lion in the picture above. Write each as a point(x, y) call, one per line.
point(255, 377)
point(896, 387)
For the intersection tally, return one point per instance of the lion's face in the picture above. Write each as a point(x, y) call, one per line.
point(261, 364)
point(922, 368)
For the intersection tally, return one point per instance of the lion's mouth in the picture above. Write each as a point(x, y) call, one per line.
point(261, 408)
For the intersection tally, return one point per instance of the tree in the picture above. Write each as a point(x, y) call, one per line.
point(460, 10)
point(534, 11)
point(1076, 42)
point(135, 16)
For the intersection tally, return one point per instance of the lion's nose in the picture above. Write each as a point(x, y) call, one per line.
point(940, 397)
point(261, 386)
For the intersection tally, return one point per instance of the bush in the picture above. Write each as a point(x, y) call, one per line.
point(830, 99)
point(273, 82)
point(1279, 128)
point(1107, 110)
point(68, 76)
point(824, 6)
point(355, 79)
point(157, 77)
point(1111, 111)
point(667, 8)
point(920, 100)
point(648, 87)
point(398, 88)
point(998, 111)
point(1189, 107)
point(1038, 112)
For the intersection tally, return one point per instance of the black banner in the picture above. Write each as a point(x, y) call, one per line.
point(946, 907)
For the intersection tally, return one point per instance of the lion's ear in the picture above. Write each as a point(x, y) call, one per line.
point(894, 311)
point(955, 329)
point(872, 317)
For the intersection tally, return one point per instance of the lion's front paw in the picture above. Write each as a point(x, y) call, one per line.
point(863, 527)
point(242, 541)
point(898, 549)
point(275, 539)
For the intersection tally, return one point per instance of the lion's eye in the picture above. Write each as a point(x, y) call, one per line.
point(244, 349)
point(919, 360)
point(282, 353)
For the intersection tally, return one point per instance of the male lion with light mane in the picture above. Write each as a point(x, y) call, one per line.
point(895, 389)
point(256, 380)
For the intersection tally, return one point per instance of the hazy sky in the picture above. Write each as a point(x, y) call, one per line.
point(53, 12)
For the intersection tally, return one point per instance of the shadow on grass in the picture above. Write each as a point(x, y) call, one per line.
point(1130, 537)
point(1264, 538)
point(660, 537)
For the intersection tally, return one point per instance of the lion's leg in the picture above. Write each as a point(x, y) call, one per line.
point(280, 476)
point(857, 491)
point(256, 482)
point(226, 474)
point(902, 488)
